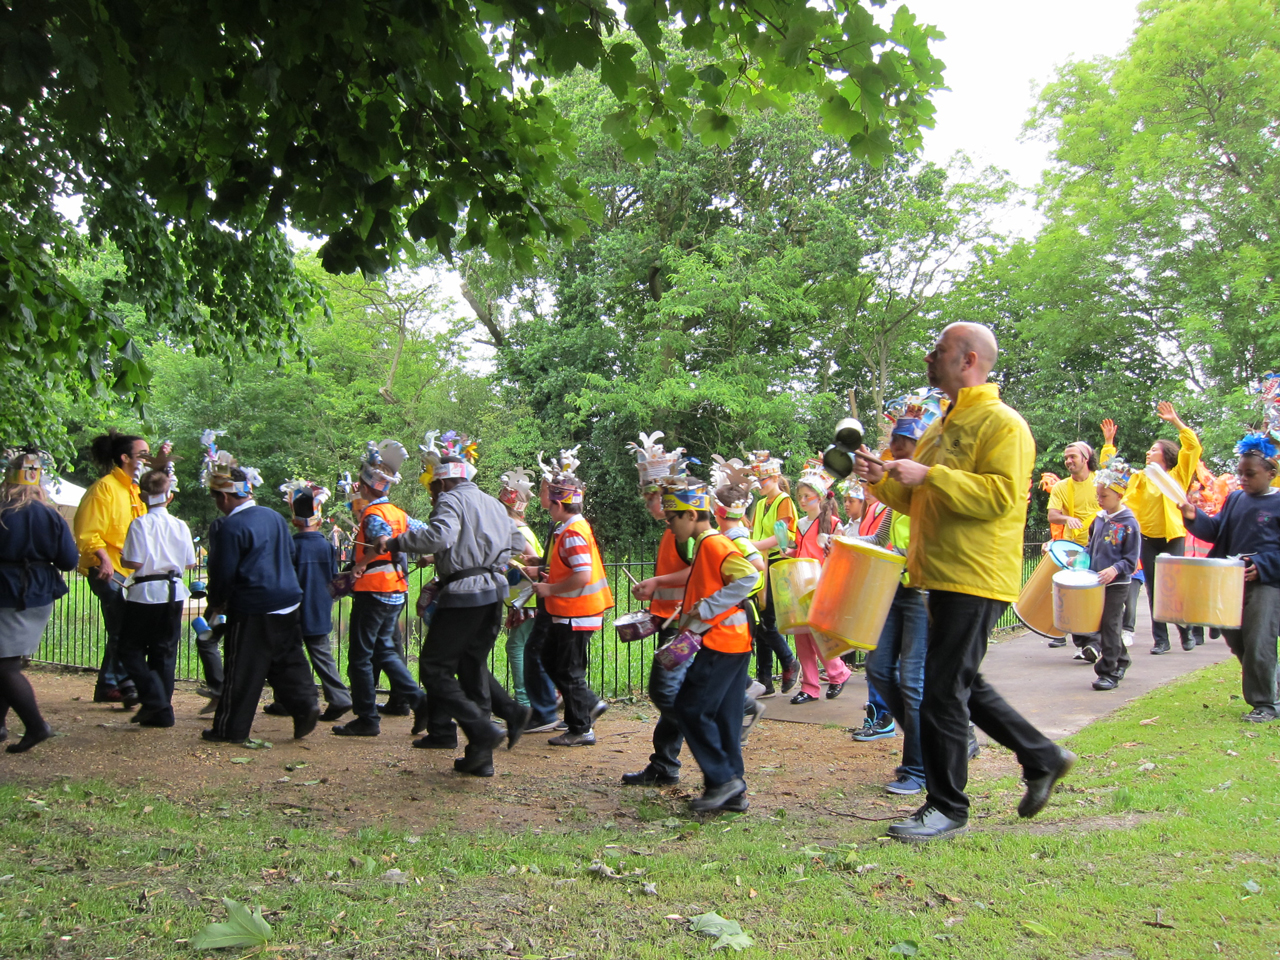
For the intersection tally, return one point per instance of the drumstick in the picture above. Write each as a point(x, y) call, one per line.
point(868, 457)
point(634, 581)
point(666, 623)
point(525, 572)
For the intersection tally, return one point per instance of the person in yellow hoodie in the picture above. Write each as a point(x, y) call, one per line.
point(965, 490)
point(1159, 518)
point(102, 520)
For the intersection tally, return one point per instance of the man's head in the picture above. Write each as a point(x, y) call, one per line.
point(1080, 460)
point(448, 483)
point(964, 356)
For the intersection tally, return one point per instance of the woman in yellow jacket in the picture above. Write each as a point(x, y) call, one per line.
point(100, 525)
point(1159, 518)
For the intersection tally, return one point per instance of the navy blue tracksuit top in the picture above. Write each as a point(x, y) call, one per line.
point(317, 564)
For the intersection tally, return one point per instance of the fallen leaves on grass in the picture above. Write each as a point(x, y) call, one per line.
point(242, 929)
point(1149, 721)
point(606, 872)
point(728, 933)
point(1039, 929)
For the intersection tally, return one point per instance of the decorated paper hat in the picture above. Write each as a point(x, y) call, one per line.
point(380, 466)
point(851, 489)
point(685, 493)
point(305, 498)
point(218, 472)
point(910, 427)
point(517, 487)
point(813, 475)
point(27, 466)
point(925, 404)
point(1115, 475)
point(732, 481)
point(1257, 445)
point(763, 465)
point(653, 461)
point(451, 444)
point(563, 485)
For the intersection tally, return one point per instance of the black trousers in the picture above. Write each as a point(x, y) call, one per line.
point(955, 692)
point(1114, 660)
point(1153, 547)
point(148, 652)
point(454, 668)
point(262, 648)
point(564, 655)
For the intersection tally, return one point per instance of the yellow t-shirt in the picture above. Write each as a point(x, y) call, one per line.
point(1077, 499)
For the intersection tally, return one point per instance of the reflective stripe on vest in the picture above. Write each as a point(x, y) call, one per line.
point(664, 600)
point(729, 632)
point(591, 599)
point(387, 579)
point(762, 525)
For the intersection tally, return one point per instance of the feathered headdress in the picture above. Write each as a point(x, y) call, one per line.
point(216, 471)
point(851, 489)
point(27, 466)
point(517, 488)
point(563, 484)
point(166, 461)
point(380, 466)
point(1115, 475)
point(685, 493)
point(732, 481)
point(451, 444)
point(654, 462)
point(815, 476)
point(763, 465)
point(1257, 445)
point(305, 498)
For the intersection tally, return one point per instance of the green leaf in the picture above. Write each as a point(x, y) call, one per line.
point(242, 929)
point(734, 941)
point(907, 948)
point(1252, 887)
point(1039, 929)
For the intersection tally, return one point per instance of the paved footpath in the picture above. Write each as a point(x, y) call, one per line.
point(1045, 685)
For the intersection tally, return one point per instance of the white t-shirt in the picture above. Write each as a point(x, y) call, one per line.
point(159, 542)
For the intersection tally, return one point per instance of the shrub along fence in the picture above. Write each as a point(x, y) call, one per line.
point(75, 635)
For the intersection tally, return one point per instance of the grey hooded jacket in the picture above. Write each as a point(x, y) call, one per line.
point(468, 528)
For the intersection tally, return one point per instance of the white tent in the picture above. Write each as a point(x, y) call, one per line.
point(64, 493)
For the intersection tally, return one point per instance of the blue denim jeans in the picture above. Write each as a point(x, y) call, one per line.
point(709, 710)
point(517, 638)
point(537, 684)
point(111, 598)
point(372, 648)
point(667, 739)
point(895, 668)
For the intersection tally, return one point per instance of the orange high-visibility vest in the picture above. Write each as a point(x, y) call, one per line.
point(729, 632)
point(589, 600)
point(663, 603)
point(386, 578)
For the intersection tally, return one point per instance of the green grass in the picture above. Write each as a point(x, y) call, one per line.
point(1192, 842)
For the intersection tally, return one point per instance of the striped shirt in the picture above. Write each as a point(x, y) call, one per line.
point(576, 553)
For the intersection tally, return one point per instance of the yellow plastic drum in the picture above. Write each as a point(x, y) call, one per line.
point(854, 595)
point(792, 583)
point(1034, 605)
point(1077, 601)
point(1198, 591)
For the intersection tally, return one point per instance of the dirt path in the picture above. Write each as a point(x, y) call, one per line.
point(347, 784)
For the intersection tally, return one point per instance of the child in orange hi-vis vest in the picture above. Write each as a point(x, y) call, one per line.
point(576, 594)
point(710, 702)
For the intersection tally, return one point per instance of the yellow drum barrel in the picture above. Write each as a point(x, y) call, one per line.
point(1034, 605)
point(1199, 591)
point(853, 597)
point(792, 583)
point(1077, 601)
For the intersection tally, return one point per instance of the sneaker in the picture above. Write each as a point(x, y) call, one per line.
point(753, 711)
point(1126, 637)
point(1258, 715)
point(1105, 683)
point(876, 728)
point(107, 695)
point(1058, 642)
point(768, 691)
point(755, 690)
point(209, 708)
point(543, 727)
point(715, 798)
point(561, 725)
point(904, 786)
point(1091, 653)
point(567, 739)
point(790, 677)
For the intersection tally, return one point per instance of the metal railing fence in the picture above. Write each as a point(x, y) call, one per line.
point(75, 635)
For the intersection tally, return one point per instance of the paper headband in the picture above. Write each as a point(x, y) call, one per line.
point(763, 465)
point(451, 445)
point(654, 462)
point(304, 498)
point(683, 493)
point(27, 466)
point(563, 485)
point(517, 487)
point(815, 477)
point(1115, 475)
point(851, 489)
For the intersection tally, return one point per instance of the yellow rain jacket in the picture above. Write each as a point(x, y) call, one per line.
point(967, 518)
point(1157, 515)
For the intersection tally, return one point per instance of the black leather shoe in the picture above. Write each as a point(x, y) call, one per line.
point(332, 713)
point(1189, 644)
point(1058, 642)
point(420, 717)
point(433, 743)
point(276, 710)
point(307, 722)
point(1160, 648)
point(714, 798)
point(495, 738)
point(358, 727)
point(515, 727)
point(833, 690)
point(803, 697)
point(395, 708)
point(1105, 683)
point(927, 823)
point(479, 765)
point(214, 738)
point(1039, 788)
point(648, 777)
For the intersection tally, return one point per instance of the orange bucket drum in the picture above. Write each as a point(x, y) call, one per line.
point(853, 597)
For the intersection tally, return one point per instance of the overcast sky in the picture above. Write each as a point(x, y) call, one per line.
point(999, 54)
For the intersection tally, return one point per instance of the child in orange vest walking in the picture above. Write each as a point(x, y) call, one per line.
point(710, 703)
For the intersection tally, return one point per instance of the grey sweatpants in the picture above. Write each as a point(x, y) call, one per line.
point(1254, 645)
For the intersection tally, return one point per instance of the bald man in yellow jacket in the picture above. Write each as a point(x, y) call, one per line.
point(966, 493)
